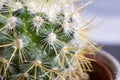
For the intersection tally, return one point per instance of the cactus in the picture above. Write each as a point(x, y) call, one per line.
point(44, 40)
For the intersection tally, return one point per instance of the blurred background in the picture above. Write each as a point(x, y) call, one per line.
point(108, 32)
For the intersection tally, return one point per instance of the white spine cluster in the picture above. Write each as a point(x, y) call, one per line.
point(11, 22)
point(53, 12)
point(18, 43)
point(65, 49)
point(14, 5)
point(51, 38)
point(21, 43)
point(33, 6)
point(37, 22)
point(38, 62)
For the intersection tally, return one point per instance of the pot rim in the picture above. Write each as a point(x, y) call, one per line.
point(111, 61)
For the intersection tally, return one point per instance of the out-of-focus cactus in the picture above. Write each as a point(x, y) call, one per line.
point(44, 40)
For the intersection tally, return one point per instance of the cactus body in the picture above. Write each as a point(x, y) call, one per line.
point(44, 40)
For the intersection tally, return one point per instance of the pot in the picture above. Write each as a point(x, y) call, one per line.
point(105, 67)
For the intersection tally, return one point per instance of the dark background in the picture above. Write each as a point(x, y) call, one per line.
point(113, 50)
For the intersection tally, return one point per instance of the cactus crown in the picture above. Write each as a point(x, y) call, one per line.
point(44, 40)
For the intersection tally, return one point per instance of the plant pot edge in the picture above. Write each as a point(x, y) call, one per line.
point(111, 61)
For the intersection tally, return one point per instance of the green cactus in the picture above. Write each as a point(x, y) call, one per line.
point(44, 40)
